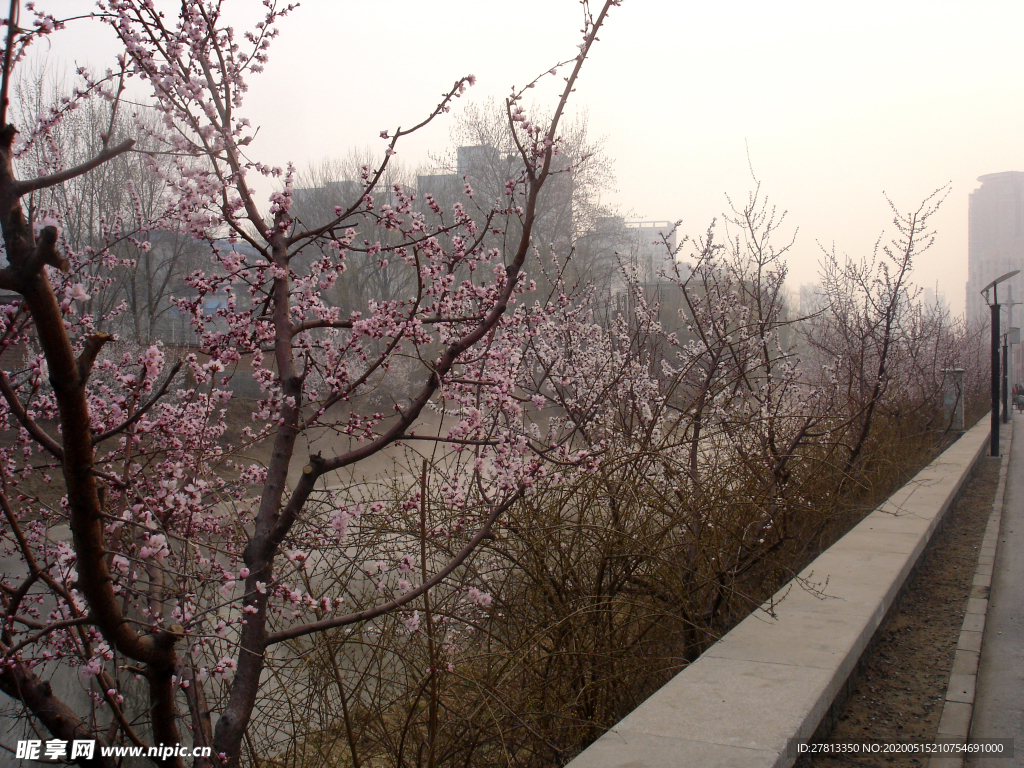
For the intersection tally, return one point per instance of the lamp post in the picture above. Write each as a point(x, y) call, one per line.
point(994, 306)
point(1011, 337)
point(1008, 341)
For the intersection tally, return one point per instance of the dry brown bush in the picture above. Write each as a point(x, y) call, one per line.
point(728, 461)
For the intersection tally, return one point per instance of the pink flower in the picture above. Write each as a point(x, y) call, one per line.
point(92, 667)
point(412, 622)
point(152, 360)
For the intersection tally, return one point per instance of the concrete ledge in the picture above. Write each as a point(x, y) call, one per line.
point(773, 678)
point(958, 708)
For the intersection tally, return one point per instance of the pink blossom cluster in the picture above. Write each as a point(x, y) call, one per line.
point(215, 543)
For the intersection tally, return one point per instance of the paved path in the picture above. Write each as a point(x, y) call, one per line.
point(999, 705)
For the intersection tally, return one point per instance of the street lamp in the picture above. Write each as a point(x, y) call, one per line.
point(994, 305)
point(1011, 337)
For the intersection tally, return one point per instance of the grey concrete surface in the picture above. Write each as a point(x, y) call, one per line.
point(999, 703)
point(772, 679)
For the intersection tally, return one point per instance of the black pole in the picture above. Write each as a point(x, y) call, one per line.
point(1005, 378)
point(994, 438)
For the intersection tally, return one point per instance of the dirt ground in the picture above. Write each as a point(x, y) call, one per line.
point(899, 692)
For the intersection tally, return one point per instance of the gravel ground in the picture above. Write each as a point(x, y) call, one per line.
point(899, 692)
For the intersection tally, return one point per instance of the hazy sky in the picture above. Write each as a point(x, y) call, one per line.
point(838, 102)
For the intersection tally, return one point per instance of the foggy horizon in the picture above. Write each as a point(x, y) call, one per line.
point(837, 106)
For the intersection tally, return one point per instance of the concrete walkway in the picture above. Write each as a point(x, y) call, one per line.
point(999, 703)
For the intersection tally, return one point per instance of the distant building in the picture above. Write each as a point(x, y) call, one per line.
point(316, 206)
point(485, 170)
point(598, 245)
point(934, 300)
point(811, 299)
point(645, 247)
point(654, 246)
point(443, 187)
point(645, 250)
point(995, 239)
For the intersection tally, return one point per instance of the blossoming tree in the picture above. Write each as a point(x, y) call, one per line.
point(167, 569)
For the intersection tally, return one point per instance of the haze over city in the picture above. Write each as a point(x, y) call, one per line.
point(331, 470)
point(835, 103)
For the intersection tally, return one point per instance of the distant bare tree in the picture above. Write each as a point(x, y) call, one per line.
point(331, 185)
point(874, 333)
point(571, 208)
point(118, 209)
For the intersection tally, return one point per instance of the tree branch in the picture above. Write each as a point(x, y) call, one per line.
point(142, 411)
point(45, 253)
point(24, 186)
point(40, 436)
point(90, 350)
point(408, 597)
point(59, 719)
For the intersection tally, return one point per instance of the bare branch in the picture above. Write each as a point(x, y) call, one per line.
point(370, 613)
point(37, 432)
point(143, 410)
point(90, 350)
point(23, 187)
